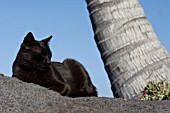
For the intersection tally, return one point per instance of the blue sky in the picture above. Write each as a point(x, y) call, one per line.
point(68, 21)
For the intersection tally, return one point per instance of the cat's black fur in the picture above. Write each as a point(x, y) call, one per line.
point(33, 65)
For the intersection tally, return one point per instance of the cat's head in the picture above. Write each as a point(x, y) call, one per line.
point(35, 55)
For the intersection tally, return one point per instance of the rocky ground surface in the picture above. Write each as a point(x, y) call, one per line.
point(19, 97)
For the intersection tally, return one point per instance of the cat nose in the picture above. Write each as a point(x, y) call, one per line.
point(48, 62)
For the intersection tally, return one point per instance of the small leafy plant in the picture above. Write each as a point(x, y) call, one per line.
point(156, 91)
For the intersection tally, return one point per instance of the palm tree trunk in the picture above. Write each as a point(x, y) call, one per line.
point(130, 50)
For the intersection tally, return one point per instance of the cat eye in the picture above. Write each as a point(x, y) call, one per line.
point(38, 58)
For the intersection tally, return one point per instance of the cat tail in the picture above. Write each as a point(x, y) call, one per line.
point(81, 75)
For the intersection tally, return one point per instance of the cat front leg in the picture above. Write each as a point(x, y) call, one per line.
point(61, 88)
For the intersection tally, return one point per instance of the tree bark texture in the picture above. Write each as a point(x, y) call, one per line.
point(130, 50)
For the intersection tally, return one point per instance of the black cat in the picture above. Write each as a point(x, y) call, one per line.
point(33, 65)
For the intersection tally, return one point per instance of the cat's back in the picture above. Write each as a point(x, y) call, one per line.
point(63, 70)
point(59, 67)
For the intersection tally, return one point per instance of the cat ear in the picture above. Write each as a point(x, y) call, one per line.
point(29, 38)
point(47, 39)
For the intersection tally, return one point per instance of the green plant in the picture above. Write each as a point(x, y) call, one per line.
point(156, 91)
